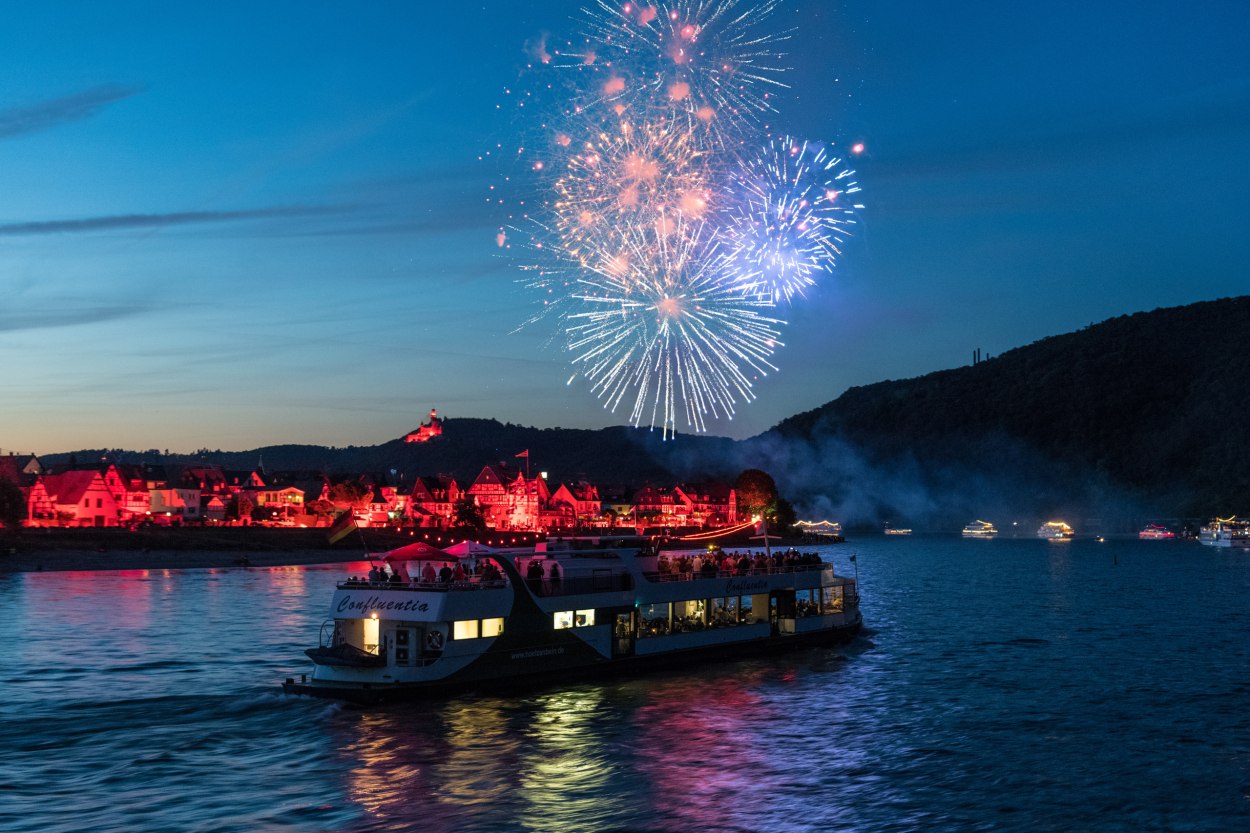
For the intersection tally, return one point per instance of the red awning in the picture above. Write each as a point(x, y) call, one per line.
point(419, 551)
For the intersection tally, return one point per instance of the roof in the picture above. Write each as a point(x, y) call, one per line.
point(70, 486)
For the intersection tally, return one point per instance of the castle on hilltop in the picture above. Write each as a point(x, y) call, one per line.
point(427, 431)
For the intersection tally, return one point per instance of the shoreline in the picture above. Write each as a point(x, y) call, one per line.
point(49, 561)
point(70, 550)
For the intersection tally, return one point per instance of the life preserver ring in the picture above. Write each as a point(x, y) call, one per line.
point(434, 640)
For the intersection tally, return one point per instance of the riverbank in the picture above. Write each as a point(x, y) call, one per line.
point(33, 550)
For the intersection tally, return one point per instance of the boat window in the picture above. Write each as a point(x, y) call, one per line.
point(724, 612)
point(744, 610)
point(464, 629)
point(832, 602)
point(492, 627)
point(653, 620)
point(806, 603)
point(563, 619)
point(584, 619)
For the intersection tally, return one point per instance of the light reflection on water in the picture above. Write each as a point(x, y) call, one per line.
point(1002, 685)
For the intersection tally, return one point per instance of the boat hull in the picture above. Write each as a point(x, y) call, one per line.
point(509, 680)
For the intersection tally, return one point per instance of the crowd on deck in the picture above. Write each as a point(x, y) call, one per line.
point(483, 572)
point(733, 563)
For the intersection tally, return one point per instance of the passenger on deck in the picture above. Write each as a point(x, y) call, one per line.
point(428, 574)
point(534, 573)
point(375, 574)
point(458, 574)
point(444, 575)
point(555, 576)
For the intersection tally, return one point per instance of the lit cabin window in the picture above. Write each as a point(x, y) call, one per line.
point(466, 629)
point(584, 619)
point(563, 619)
point(492, 627)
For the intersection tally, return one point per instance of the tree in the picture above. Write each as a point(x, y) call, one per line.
point(468, 515)
point(12, 505)
point(782, 516)
point(350, 493)
point(756, 492)
point(241, 507)
point(321, 508)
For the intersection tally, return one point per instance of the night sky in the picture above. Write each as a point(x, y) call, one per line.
point(235, 225)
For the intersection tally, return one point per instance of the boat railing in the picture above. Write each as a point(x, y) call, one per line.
point(602, 581)
point(675, 575)
point(425, 586)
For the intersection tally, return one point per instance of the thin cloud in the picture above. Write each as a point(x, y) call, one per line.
point(143, 221)
point(21, 317)
point(46, 115)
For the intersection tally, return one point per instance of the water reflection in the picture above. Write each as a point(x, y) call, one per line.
point(567, 766)
point(702, 749)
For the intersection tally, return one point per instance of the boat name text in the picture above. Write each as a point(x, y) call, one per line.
point(740, 587)
point(376, 603)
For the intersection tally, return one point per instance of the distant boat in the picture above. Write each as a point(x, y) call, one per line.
point(821, 529)
point(889, 530)
point(1055, 531)
point(980, 529)
point(1225, 532)
point(1153, 532)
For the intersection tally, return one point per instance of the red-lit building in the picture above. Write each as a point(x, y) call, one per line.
point(81, 498)
point(427, 430)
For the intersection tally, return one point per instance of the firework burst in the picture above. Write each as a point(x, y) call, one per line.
point(791, 209)
point(711, 64)
point(662, 245)
point(657, 329)
point(633, 177)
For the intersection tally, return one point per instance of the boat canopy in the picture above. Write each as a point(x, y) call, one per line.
point(468, 548)
point(419, 551)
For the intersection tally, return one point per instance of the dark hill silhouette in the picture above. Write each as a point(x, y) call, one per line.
point(1142, 416)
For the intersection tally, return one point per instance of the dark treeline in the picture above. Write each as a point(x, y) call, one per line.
point(1141, 416)
point(1144, 414)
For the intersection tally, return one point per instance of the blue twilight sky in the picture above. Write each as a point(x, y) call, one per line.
point(229, 225)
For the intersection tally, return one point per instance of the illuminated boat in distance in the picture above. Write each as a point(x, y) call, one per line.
point(980, 529)
point(1153, 532)
point(470, 617)
point(1055, 531)
point(822, 529)
point(889, 530)
point(1225, 532)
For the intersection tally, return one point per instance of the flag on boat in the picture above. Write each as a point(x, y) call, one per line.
point(344, 525)
point(525, 454)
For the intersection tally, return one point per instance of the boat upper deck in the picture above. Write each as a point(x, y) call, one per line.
point(577, 572)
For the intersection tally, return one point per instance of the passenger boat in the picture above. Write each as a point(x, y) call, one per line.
point(1225, 532)
point(890, 530)
point(1055, 531)
point(1153, 532)
point(473, 617)
point(980, 529)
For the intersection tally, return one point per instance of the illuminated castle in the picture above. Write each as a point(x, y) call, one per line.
point(427, 431)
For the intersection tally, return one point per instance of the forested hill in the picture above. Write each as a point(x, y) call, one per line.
point(609, 456)
point(1146, 413)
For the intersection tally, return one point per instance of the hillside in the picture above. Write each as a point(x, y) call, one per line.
point(611, 456)
point(1141, 414)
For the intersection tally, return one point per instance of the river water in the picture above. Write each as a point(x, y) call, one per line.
point(1016, 685)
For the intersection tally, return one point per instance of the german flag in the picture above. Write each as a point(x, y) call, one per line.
point(344, 525)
